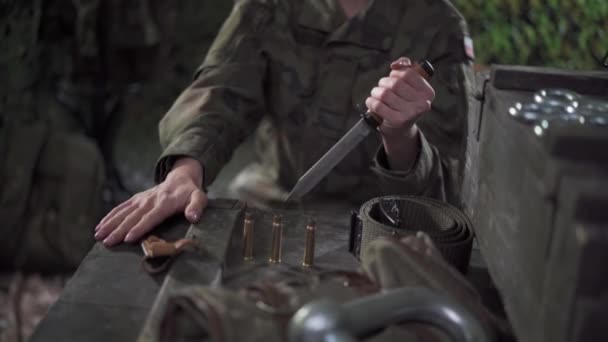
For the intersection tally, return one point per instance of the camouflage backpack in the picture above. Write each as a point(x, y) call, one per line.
point(51, 174)
point(50, 188)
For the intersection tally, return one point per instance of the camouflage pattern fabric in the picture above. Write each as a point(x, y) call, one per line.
point(304, 70)
point(51, 196)
point(51, 175)
point(73, 71)
point(261, 310)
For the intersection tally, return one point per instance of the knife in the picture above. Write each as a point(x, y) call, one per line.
point(369, 122)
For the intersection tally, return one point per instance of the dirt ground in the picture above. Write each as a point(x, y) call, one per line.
point(24, 300)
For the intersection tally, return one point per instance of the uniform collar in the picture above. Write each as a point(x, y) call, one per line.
point(373, 28)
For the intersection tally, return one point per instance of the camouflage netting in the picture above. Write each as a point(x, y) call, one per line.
point(570, 34)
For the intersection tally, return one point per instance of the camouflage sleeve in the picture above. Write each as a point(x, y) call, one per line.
point(437, 170)
point(226, 99)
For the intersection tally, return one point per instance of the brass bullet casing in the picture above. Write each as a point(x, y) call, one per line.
point(248, 237)
point(277, 237)
point(309, 251)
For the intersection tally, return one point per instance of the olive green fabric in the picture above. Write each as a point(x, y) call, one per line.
point(261, 310)
point(51, 173)
point(305, 70)
point(448, 227)
point(50, 190)
point(419, 264)
point(55, 108)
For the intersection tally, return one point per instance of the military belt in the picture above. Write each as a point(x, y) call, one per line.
point(399, 216)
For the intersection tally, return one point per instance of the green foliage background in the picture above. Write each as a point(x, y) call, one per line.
point(559, 33)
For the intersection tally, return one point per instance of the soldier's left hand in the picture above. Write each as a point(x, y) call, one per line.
point(401, 98)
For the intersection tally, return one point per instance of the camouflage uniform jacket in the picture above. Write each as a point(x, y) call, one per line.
point(304, 70)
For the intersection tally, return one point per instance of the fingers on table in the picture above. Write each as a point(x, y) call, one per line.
point(113, 219)
point(146, 222)
point(121, 231)
point(139, 219)
point(196, 203)
point(113, 213)
point(117, 222)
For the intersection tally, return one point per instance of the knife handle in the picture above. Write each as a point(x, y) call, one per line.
point(422, 67)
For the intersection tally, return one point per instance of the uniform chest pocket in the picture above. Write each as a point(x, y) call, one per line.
point(334, 96)
point(291, 80)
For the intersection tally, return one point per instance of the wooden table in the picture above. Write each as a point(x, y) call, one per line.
point(111, 298)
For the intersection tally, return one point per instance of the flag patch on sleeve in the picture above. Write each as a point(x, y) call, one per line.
point(468, 48)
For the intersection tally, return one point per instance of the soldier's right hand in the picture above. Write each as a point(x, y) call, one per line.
point(179, 192)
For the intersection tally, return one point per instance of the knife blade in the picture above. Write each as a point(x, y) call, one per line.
point(368, 123)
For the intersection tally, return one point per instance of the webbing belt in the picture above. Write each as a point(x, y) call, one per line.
point(399, 216)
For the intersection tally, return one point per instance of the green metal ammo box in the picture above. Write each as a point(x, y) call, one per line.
point(537, 193)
